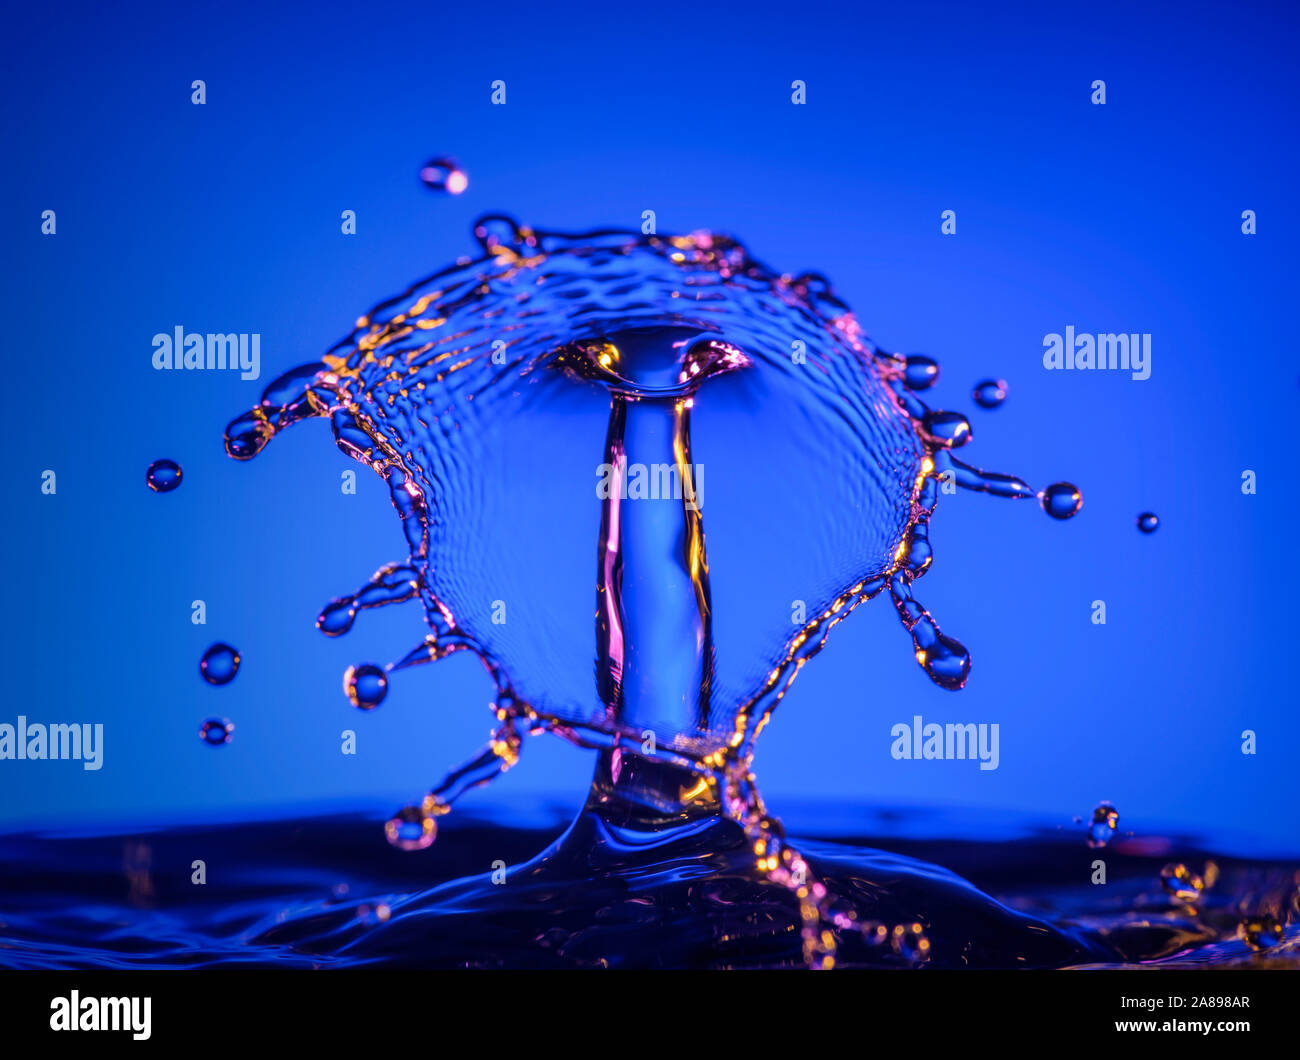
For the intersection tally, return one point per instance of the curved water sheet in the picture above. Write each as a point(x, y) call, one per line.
point(719, 444)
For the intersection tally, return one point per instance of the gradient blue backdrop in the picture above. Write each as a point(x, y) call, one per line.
point(225, 217)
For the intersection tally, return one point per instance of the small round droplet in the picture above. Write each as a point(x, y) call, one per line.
point(990, 393)
point(921, 372)
point(366, 685)
point(219, 664)
point(216, 732)
point(1181, 883)
point(411, 829)
point(1101, 829)
point(1148, 522)
point(163, 476)
point(1259, 932)
point(1061, 500)
point(442, 174)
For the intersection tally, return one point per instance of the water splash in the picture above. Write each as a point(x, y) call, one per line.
point(471, 391)
point(1101, 829)
point(310, 892)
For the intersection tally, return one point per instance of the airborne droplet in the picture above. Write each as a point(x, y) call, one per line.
point(442, 174)
point(163, 476)
point(1101, 829)
point(219, 664)
point(216, 732)
point(1061, 500)
point(1181, 883)
point(1259, 932)
point(366, 685)
point(411, 829)
point(990, 393)
point(921, 373)
point(910, 942)
point(1148, 522)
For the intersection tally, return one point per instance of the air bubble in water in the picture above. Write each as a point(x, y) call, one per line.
point(1061, 500)
point(990, 393)
point(366, 685)
point(216, 732)
point(1181, 883)
point(163, 476)
point(219, 664)
point(1148, 522)
point(1101, 829)
point(442, 174)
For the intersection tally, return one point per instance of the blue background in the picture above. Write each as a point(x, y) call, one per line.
point(225, 217)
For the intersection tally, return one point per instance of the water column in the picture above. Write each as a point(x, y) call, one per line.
point(654, 637)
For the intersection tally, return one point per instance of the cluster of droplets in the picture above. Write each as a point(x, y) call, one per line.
point(1259, 930)
point(909, 941)
point(220, 662)
point(218, 666)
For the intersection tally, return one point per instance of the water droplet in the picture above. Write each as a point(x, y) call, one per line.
point(911, 943)
point(951, 430)
point(498, 230)
point(1101, 829)
point(443, 174)
point(163, 476)
point(1181, 883)
point(366, 685)
point(216, 732)
point(947, 662)
point(990, 393)
point(411, 829)
point(1061, 500)
point(921, 372)
point(219, 664)
point(1259, 932)
point(875, 933)
point(1148, 522)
